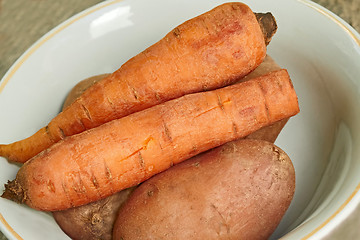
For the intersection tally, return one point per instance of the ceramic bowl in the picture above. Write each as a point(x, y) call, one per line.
point(320, 51)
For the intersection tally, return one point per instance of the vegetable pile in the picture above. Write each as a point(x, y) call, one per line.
point(175, 144)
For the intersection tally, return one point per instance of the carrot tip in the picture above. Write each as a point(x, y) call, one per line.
point(267, 24)
point(14, 192)
point(2, 151)
point(5, 151)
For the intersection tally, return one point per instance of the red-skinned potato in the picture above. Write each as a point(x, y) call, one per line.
point(240, 190)
point(93, 221)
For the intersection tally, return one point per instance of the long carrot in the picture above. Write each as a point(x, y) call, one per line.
point(124, 152)
point(206, 52)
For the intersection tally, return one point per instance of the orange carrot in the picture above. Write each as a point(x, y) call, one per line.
point(206, 52)
point(124, 152)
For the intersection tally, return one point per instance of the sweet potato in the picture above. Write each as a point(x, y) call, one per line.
point(204, 53)
point(92, 221)
point(240, 190)
point(122, 153)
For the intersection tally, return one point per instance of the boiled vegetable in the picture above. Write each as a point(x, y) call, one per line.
point(96, 220)
point(206, 52)
point(122, 153)
point(240, 190)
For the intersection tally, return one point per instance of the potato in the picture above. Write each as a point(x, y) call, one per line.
point(94, 220)
point(240, 190)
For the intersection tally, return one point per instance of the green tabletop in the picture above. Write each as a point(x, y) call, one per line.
point(22, 22)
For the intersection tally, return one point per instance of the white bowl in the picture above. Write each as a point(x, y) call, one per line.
point(320, 51)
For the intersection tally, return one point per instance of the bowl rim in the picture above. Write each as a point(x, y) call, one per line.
point(9, 231)
point(356, 38)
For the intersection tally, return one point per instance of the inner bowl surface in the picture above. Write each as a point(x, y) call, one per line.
point(320, 51)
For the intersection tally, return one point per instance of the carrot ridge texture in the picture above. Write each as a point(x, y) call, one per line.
point(209, 51)
point(122, 153)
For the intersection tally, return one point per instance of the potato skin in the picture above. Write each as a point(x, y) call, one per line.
point(240, 190)
point(93, 221)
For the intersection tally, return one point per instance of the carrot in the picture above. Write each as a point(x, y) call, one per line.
point(124, 152)
point(271, 132)
point(206, 52)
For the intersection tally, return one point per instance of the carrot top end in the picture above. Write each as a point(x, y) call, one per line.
point(267, 24)
point(14, 192)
